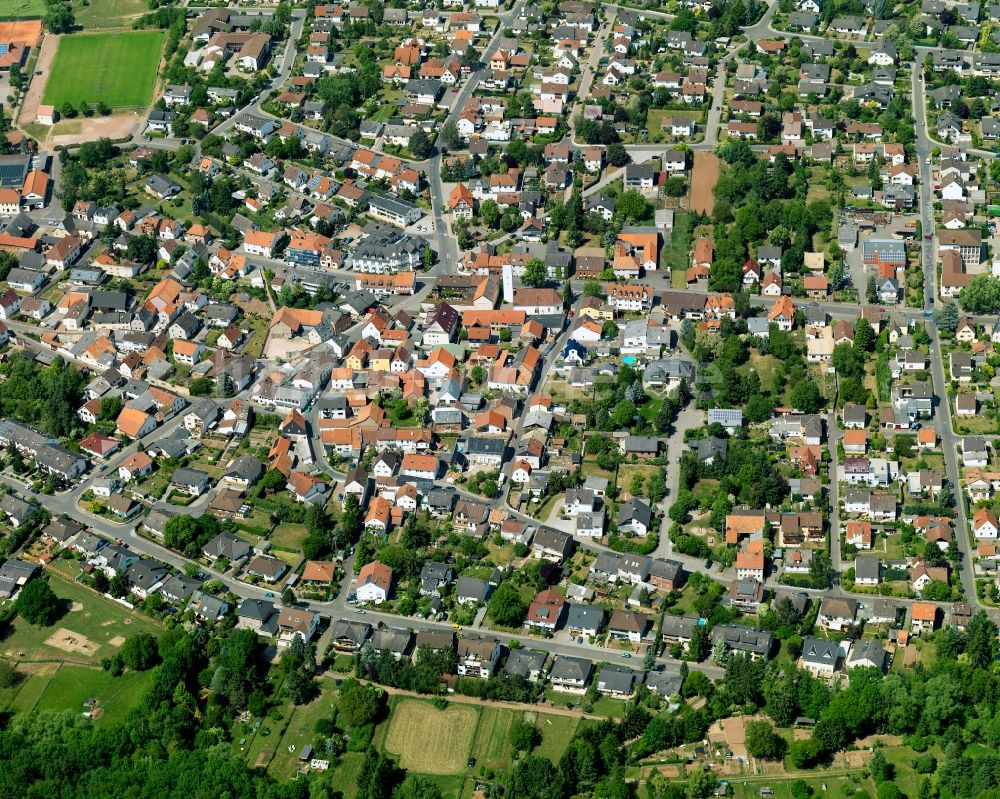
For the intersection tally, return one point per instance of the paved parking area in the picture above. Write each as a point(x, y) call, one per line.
point(855, 268)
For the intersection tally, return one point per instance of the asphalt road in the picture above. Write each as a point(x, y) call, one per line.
point(447, 263)
point(446, 245)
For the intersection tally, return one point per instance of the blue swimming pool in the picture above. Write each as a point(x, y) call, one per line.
point(628, 359)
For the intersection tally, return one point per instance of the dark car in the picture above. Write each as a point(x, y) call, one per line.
point(472, 762)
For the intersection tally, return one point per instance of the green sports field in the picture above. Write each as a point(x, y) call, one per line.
point(115, 68)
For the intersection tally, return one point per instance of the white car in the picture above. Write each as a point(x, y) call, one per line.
point(928, 161)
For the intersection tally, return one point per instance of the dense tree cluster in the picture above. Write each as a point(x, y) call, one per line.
point(981, 295)
point(343, 94)
point(188, 534)
point(46, 397)
point(758, 201)
point(423, 676)
point(59, 17)
point(746, 473)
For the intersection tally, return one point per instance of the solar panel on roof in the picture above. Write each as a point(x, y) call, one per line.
point(4, 48)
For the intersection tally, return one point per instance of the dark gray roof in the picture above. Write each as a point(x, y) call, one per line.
point(819, 651)
point(740, 638)
point(438, 572)
point(711, 447)
point(146, 573)
point(256, 609)
point(392, 639)
point(678, 626)
point(663, 684)
point(472, 587)
point(636, 509)
point(617, 679)
point(525, 661)
point(178, 586)
point(479, 445)
point(246, 467)
point(867, 568)
point(666, 569)
point(585, 617)
point(570, 668)
point(553, 540)
point(355, 631)
point(867, 649)
point(185, 476)
point(157, 518)
point(17, 569)
point(227, 545)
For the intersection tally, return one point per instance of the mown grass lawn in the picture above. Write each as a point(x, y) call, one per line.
point(289, 537)
point(73, 685)
point(675, 254)
point(557, 732)
point(301, 730)
point(345, 776)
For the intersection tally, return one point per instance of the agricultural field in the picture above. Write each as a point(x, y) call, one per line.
point(93, 14)
point(118, 69)
point(703, 179)
point(428, 740)
point(91, 629)
point(22, 9)
point(491, 746)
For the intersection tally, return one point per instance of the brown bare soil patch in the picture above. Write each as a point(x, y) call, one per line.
point(703, 178)
point(116, 126)
point(33, 97)
point(69, 641)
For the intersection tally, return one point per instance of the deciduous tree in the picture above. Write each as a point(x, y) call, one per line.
point(535, 273)
point(38, 604)
point(506, 607)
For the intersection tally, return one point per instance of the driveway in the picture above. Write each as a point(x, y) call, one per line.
point(688, 418)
